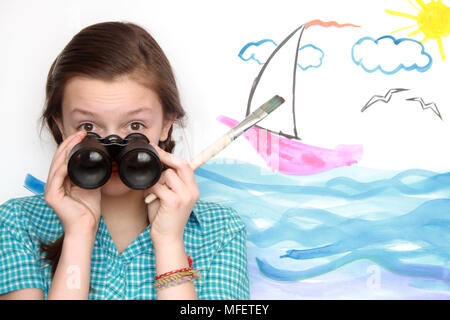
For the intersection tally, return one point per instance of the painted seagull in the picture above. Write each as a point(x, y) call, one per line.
point(384, 99)
point(431, 106)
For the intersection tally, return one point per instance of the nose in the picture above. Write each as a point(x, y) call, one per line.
point(113, 139)
point(112, 131)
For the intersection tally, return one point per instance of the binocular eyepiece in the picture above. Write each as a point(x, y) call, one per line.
point(90, 161)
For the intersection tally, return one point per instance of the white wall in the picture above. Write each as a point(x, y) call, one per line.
point(202, 39)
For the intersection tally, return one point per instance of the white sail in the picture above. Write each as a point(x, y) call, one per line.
point(278, 76)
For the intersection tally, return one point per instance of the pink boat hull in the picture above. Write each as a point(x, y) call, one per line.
point(294, 157)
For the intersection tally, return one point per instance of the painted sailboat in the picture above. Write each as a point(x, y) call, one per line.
point(293, 156)
point(286, 152)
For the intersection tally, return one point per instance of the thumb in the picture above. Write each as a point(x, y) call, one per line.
point(152, 209)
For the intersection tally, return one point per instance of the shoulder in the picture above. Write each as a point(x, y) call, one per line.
point(31, 207)
point(20, 264)
point(216, 217)
point(29, 213)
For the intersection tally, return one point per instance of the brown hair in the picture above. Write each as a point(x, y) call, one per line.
point(105, 51)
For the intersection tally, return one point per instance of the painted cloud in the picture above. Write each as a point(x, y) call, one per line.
point(390, 55)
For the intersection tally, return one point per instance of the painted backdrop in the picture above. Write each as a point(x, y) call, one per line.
point(344, 189)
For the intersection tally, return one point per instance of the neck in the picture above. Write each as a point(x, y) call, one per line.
point(125, 216)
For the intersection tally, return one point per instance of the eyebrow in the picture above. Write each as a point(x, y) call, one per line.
point(132, 112)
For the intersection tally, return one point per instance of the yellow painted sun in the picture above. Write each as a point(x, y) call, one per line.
point(433, 20)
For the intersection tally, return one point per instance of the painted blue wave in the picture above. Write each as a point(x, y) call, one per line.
point(427, 225)
point(392, 263)
point(34, 184)
point(355, 190)
point(376, 210)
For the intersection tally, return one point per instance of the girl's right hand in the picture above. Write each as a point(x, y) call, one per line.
point(78, 209)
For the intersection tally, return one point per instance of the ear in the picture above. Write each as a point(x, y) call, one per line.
point(167, 124)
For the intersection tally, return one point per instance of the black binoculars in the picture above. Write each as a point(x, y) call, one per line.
point(90, 161)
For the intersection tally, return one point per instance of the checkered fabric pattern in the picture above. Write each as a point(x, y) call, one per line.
point(215, 237)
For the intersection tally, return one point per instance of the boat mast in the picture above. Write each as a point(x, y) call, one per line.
point(261, 72)
point(294, 78)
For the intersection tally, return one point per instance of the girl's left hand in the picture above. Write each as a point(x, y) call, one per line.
point(177, 194)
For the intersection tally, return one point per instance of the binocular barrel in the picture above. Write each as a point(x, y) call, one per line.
point(90, 161)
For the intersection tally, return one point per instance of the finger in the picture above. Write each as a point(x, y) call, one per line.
point(173, 181)
point(182, 167)
point(55, 186)
point(63, 151)
point(163, 192)
point(68, 143)
point(153, 208)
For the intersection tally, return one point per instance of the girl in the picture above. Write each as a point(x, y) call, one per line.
point(106, 243)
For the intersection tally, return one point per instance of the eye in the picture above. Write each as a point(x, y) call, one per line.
point(135, 126)
point(87, 126)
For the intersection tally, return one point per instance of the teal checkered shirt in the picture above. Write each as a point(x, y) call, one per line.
point(214, 236)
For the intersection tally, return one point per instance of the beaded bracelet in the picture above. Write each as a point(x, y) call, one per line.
point(173, 272)
point(191, 262)
point(173, 283)
point(176, 277)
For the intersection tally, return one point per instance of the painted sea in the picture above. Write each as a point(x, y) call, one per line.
point(347, 233)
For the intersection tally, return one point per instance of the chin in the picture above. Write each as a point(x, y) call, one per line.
point(115, 187)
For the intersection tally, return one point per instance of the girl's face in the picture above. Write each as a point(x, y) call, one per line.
point(120, 107)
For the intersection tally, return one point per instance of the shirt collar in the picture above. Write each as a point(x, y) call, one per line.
point(143, 241)
point(195, 216)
